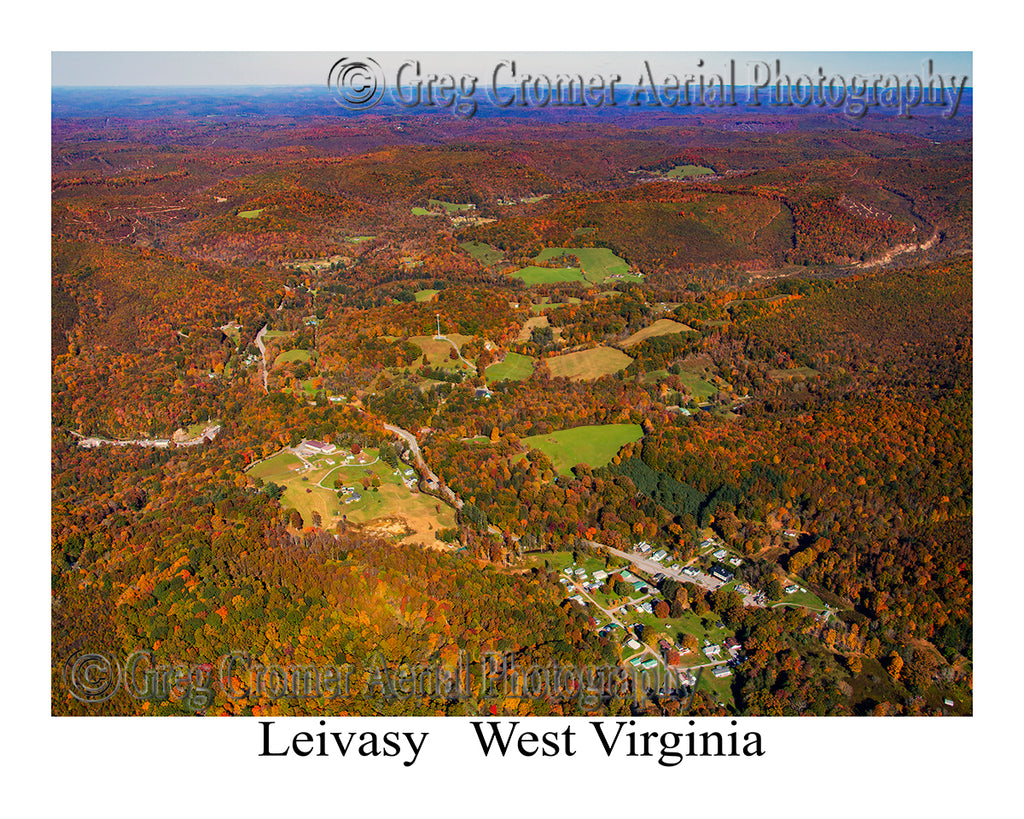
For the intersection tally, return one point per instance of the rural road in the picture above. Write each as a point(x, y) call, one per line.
point(427, 472)
point(469, 364)
point(652, 567)
point(263, 352)
point(608, 613)
point(648, 650)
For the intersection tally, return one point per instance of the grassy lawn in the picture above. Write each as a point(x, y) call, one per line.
point(392, 499)
point(591, 445)
point(425, 295)
point(800, 598)
point(587, 364)
point(698, 387)
point(662, 327)
point(544, 275)
point(291, 355)
point(719, 687)
point(597, 263)
point(250, 214)
point(279, 466)
point(355, 240)
point(417, 211)
point(689, 623)
point(515, 367)
point(687, 171)
point(546, 303)
point(276, 334)
point(308, 387)
point(483, 253)
point(556, 561)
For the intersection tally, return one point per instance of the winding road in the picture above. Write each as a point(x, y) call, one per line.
point(263, 352)
point(433, 481)
point(458, 352)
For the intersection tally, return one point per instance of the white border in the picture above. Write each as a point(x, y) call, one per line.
point(832, 767)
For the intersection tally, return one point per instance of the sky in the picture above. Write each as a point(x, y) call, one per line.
point(192, 68)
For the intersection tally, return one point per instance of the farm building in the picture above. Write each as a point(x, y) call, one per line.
point(315, 448)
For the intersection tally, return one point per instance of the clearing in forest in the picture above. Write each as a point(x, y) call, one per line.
point(591, 445)
point(586, 364)
point(662, 327)
point(515, 367)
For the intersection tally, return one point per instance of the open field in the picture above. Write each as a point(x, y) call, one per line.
point(547, 304)
point(546, 275)
point(720, 689)
point(515, 367)
point(483, 253)
point(392, 505)
point(662, 327)
point(280, 465)
point(436, 351)
point(591, 445)
point(250, 214)
point(688, 171)
point(355, 240)
point(425, 295)
point(276, 334)
point(587, 364)
point(417, 211)
point(291, 355)
point(527, 331)
point(598, 263)
point(698, 387)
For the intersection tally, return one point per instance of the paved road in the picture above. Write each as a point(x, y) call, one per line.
point(263, 352)
point(426, 471)
point(608, 613)
point(469, 364)
point(91, 441)
point(652, 567)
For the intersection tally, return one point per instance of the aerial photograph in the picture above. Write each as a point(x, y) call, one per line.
point(512, 385)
